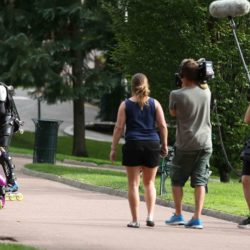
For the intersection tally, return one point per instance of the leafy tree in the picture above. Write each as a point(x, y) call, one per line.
point(46, 44)
point(154, 38)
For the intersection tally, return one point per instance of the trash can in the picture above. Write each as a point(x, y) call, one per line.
point(45, 140)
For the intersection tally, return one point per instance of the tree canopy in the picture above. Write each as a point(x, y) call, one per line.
point(154, 38)
point(46, 45)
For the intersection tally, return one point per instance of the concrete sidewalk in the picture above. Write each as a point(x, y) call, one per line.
point(57, 216)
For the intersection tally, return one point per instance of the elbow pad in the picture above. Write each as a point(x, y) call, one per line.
point(3, 93)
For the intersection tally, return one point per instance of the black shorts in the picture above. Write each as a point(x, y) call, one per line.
point(246, 168)
point(141, 153)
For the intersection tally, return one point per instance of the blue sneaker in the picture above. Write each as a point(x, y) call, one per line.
point(12, 187)
point(194, 223)
point(175, 220)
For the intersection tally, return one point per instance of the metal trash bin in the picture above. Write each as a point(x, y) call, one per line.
point(45, 140)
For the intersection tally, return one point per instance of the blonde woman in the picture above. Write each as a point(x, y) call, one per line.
point(142, 149)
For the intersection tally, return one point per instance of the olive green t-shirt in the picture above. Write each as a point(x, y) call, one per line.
point(192, 105)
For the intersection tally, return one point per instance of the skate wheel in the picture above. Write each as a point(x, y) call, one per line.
point(10, 197)
point(19, 197)
point(7, 197)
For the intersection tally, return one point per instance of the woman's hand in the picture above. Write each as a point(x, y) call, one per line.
point(112, 155)
point(164, 151)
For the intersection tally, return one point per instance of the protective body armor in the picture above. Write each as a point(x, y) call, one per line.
point(8, 114)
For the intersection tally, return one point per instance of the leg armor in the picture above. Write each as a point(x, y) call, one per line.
point(6, 132)
point(8, 166)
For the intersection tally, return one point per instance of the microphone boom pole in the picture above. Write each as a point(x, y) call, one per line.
point(233, 26)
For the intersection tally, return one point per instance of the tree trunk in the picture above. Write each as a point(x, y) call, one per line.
point(79, 144)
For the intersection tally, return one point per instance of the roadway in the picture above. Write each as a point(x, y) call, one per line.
point(28, 110)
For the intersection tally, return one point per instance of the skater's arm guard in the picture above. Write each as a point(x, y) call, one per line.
point(3, 98)
point(3, 93)
point(2, 109)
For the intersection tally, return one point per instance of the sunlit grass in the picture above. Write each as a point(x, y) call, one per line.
point(15, 247)
point(224, 197)
point(98, 151)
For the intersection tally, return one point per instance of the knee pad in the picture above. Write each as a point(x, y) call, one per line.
point(6, 158)
point(7, 165)
point(2, 181)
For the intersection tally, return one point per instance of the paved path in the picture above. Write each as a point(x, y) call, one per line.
point(56, 216)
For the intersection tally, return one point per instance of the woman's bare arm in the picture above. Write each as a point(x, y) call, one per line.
point(118, 130)
point(162, 125)
point(247, 116)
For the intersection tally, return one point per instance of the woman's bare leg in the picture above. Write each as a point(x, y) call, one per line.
point(150, 191)
point(133, 190)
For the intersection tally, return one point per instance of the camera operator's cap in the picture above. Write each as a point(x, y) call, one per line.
point(184, 61)
point(201, 60)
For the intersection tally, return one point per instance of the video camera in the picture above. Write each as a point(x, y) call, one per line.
point(205, 72)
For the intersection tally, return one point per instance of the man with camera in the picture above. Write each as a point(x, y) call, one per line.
point(193, 147)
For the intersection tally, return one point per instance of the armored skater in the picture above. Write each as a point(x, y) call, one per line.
point(9, 124)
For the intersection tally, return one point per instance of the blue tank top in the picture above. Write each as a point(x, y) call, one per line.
point(140, 123)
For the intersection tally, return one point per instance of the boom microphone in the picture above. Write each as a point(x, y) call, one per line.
point(229, 8)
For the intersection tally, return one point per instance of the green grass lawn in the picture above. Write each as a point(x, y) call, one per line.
point(98, 151)
point(225, 197)
point(15, 247)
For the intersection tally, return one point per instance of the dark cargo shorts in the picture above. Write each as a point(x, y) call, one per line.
point(246, 167)
point(193, 164)
point(245, 157)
